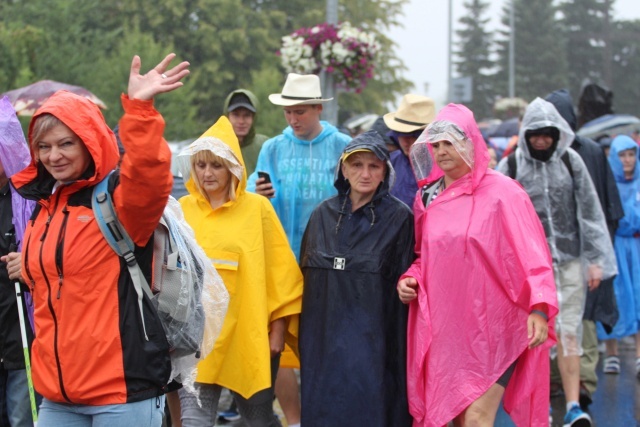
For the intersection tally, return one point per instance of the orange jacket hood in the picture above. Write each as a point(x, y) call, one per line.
point(84, 118)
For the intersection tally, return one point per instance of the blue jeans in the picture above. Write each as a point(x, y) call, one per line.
point(15, 398)
point(147, 413)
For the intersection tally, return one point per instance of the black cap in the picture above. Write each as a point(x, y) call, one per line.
point(240, 100)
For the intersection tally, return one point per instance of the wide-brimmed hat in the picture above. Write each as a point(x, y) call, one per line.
point(299, 89)
point(415, 113)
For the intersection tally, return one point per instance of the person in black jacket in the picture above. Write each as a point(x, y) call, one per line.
point(601, 303)
point(14, 390)
point(352, 325)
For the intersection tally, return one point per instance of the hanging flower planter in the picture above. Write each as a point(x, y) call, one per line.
point(347, 52)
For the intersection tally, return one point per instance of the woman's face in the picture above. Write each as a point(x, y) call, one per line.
point(451, 163)
point(214, 178)
point(628, 159)
point(63, 154)
point(365, 172)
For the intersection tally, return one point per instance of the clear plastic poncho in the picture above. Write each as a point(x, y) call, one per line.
point(568, 206)
point(212, 302)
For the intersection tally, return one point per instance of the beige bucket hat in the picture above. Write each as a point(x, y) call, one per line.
point(299, 89)
point(415, 113)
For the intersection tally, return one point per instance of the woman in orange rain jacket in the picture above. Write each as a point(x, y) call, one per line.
point(97, 358)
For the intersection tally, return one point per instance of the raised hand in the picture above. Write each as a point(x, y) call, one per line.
point(159, 79)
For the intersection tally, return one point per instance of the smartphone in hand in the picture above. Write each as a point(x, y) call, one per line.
point(267, 178)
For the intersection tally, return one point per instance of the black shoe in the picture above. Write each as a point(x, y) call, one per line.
point(585, 398)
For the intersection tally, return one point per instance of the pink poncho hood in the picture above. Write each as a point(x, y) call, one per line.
point(482, 264)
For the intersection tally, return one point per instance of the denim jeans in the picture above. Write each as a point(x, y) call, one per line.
point(15, 397)
point(147, 413)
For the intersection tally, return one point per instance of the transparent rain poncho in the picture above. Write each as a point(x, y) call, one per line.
point(204, 295)
point(568, 206)
point(441, 130)
point(217, 147)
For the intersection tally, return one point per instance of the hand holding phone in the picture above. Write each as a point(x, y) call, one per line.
point(265, 188)
point(265, 176)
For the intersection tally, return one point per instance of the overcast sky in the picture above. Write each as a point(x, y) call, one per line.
point(423, 42)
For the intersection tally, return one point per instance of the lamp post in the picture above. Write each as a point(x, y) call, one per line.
point(330, 110)
point(512, 52)
point(450, 63)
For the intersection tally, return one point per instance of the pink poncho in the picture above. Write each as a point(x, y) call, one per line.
point(482, 264)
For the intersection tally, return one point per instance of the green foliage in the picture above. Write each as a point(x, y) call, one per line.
point(229, 43)
point(540, 60)
point(474, 57)
point(585, 30)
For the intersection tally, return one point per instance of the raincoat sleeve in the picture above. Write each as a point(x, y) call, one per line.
point(523, 256)
point(596, 247)
point(415, 269)
point(284, 279)
point(145, 175)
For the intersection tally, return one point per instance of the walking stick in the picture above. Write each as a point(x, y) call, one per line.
point(25, 349)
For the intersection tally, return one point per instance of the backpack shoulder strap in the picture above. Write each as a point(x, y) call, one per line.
point(513, 165)
point(567, 162)
point(118, 239)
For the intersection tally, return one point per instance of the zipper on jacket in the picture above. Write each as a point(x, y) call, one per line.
point(50, 302)
point(27, 271)
point(60, 248)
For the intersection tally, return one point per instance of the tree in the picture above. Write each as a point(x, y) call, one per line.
point(626, 67)
point(586, 26)
point(540, 60)
point(229, 43)
point(475, 57)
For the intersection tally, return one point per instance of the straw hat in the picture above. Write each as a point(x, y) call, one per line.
point(415, 113)
point(299, 89)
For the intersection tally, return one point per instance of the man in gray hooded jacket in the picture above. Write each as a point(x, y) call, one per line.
point(601, 303)
point(559, 185)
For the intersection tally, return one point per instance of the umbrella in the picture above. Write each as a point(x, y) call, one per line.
point(610, 124)
point(506, 129)
point(28, 99)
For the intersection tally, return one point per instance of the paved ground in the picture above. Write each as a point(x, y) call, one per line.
point(616, 403)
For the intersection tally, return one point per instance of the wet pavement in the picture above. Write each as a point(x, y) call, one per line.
point(616, 402)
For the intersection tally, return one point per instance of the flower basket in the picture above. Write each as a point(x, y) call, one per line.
point(346, 52)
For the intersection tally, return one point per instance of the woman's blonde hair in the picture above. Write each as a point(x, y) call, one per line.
point(207, 156)
point(42, 124)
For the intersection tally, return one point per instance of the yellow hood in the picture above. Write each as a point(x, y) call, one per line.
point(221, 141)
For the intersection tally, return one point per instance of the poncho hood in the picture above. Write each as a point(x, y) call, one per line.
point(84, 118)
point(541, 114)
point(471, 142)
point(221, 141)
point(621, 143)
point(561, 99)
point(372, 141)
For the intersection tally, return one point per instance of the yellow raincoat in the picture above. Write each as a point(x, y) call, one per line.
point(249, 248)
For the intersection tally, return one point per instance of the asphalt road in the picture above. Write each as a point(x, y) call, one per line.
point(616, 402)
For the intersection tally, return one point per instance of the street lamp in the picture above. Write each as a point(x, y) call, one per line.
point(330, 110)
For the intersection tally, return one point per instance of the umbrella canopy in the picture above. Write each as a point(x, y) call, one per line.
point(28, 99)
point(610, 124)
point(506, 129)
